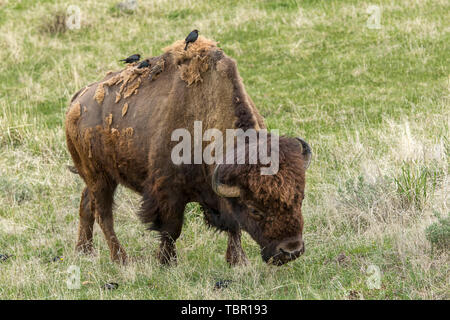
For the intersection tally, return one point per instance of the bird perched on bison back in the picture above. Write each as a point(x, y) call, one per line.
point(192, 37)
point(132, 58)
point(144, 64)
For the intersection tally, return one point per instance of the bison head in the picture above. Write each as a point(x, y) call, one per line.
point(269, 207)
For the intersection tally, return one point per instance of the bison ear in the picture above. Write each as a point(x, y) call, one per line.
point(306, 152)
point(221, 188)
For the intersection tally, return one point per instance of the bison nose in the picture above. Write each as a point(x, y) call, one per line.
point(292, 246)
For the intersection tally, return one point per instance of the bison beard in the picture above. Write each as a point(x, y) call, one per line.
point(118, 131)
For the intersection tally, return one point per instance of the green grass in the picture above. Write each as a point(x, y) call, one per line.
point(373, 104)
point(416, 187)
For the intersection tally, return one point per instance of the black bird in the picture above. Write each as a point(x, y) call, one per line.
point(131, 59)
point(144, 64)
point(192, 37)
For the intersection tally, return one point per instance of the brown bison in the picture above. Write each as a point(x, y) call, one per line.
point(119, 131)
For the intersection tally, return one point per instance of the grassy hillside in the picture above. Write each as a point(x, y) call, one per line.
point(373, 104)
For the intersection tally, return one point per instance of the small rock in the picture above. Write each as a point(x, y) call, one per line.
point(111, 286)
point(222, 284)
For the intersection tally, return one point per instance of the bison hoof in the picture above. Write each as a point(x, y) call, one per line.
point(85, 248)
point(237, 259)
point(120, 257)
point(167, 258)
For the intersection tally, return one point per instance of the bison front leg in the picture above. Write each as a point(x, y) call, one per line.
point(235, 254)
point(164, 214)
point(167, 253)
point(170, 230)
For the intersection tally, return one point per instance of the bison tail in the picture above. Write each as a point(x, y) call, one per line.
point(73, 169)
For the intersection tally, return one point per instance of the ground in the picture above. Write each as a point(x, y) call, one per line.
point(372, 102)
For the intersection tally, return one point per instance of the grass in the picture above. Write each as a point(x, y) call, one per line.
point(416, 185)
point(373, 104)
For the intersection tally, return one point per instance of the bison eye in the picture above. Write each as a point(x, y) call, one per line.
point(256, 214)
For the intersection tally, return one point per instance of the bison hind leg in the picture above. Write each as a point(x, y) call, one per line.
point(96, 205)
point(103, 196)
point(86, 226)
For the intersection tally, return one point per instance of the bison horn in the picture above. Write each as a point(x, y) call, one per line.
point(306, 152)
point(221, 189)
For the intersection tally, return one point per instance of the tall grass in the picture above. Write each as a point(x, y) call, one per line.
point(416, 185)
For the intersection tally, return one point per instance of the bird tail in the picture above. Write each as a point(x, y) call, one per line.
point(185, 48)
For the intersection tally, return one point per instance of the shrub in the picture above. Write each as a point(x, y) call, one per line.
point(363, 203)
point(438, 233)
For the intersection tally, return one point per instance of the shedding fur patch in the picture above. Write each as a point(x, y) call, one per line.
point(108, 120)
point(132, 89)
point(113, 80)
point(127, 78)
point(75, 111)
point(99, 93)
point(193, 61)
point(115, 132)
point(200, 47)
point(127, 81)
point(128, 131)
point(118, 97)
point(72, 117)
point(191, 73)
point(124, 109)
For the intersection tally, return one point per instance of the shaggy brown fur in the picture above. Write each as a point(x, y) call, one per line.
point(130, 144)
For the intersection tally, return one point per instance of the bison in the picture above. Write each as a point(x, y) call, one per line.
point(118, 131)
